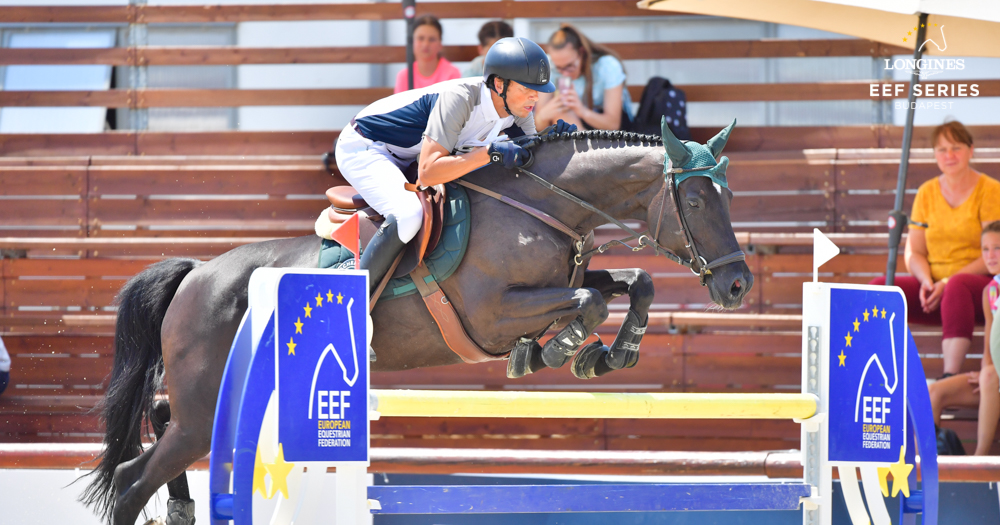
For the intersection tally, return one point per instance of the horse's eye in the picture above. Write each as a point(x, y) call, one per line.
point(693, 203)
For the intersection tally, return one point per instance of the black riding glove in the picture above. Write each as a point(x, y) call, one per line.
point(561, 126)
point(509, 154)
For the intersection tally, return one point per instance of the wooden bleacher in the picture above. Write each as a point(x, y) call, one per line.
point(82, 213)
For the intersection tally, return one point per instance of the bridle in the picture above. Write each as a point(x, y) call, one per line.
point(697, 263)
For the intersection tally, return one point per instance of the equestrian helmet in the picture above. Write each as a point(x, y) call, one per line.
point(520, 60)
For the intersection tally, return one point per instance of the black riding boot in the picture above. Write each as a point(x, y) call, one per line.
point(381, 252)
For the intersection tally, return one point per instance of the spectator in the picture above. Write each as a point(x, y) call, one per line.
point(431, 67)
point(488, 35)
point(947, 273)
point(591, 82)
point(979, 388)
point(4, 367)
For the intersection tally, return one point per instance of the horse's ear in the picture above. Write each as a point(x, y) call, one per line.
point(716, 143)
point(676, 151)
point(720, 168)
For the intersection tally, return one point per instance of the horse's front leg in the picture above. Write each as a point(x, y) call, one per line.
point(597, 360)
point(529, 311)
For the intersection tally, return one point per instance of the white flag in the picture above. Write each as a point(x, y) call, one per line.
point(823, 251)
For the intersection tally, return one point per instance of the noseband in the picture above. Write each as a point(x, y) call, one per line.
point(697, 263)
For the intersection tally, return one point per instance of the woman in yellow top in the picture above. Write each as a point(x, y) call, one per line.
point(947, 272)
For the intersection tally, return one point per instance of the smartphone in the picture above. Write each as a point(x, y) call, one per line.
point(565, 84)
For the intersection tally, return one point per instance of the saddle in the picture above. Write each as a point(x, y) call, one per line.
point(345, 202)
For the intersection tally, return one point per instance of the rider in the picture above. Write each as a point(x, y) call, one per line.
point(452, 127)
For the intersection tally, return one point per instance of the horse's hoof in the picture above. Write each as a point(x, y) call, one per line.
point(180, 512)
point(586, 360)
point(371, 355)
point(519, 363)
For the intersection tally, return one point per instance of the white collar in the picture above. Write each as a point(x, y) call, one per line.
point(490, 111)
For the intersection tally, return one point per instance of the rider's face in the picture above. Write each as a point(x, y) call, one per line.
point(520, 99)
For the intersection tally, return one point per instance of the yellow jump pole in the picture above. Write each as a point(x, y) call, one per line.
point(467, 403)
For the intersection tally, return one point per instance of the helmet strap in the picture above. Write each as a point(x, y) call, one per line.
point(503, 96)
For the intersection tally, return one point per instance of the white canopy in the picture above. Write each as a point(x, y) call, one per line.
point(955, 27)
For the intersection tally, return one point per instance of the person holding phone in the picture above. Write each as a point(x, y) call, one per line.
point(591, 84)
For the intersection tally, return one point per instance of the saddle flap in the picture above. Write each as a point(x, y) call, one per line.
point(345, 202)
point(432, 200)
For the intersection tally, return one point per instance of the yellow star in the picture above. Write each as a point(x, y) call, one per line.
point(857, 325)
point(875, 311)
point(883, 313)
point(258, 476)
point(907, 34)
point(340, 298)
point(329, 296)
point(319, 300)
point(291, 346)
point(298, 325)
point(842, 357)
point(904, 39)
point(848, 338)
point(308, 311)
point(900, 472)
point(279, 473)
point(866, 315)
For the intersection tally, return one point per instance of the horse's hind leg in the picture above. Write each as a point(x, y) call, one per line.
point(180, 506)
point(194, 355)
point(532, 310)
point(186, 439)
point(596, 360)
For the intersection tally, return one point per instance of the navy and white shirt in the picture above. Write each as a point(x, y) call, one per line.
point(457, 114)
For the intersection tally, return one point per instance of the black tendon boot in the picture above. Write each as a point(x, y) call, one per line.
point(560, 348)
point(624, 351)
point(524, 359)
point(381, 252)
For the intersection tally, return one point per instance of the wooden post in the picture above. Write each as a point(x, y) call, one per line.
point(138, 74)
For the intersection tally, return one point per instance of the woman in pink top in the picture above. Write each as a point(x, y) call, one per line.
point(431, 67)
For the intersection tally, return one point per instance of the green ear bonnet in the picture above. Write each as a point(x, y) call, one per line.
point(686, 159)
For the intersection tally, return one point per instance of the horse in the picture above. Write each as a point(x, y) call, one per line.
point(177, 318)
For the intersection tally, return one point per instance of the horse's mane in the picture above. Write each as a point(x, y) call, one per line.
point(625, 136)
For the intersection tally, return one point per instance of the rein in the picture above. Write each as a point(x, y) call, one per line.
point(697, 263)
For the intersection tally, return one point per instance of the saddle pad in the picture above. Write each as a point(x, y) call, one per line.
point(442, 262)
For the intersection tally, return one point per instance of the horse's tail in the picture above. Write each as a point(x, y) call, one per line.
point(136, 375)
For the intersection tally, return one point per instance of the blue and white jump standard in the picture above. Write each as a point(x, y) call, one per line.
point(295, 400)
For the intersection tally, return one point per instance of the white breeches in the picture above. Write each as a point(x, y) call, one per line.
point(377, 176)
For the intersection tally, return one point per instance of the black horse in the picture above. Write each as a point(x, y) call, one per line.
point(178, 317)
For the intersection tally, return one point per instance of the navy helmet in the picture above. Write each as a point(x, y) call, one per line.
point(520, 60)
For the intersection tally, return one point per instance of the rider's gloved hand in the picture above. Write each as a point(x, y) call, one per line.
point(509, 154)
point(561, 126)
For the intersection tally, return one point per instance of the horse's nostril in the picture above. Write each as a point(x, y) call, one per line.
point(736, 288)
